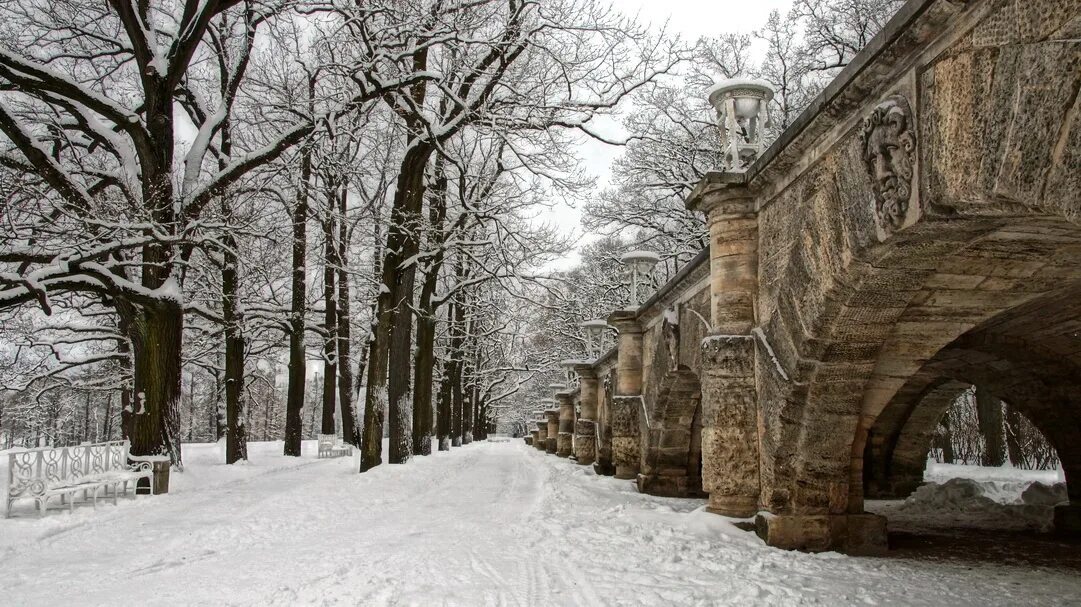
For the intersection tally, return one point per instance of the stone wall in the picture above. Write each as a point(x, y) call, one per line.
point(917, 226)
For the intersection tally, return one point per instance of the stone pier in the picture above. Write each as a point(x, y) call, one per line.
point(729, 396)
point(565, 438)
point(585, 429)
point(627, 400)
point(915, 232)
point(552, 417)
point(541, 441)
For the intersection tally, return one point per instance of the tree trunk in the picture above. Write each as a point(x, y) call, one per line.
point(124, 347)
point(294, 426)
point(394, 320)
point(454, 378)
point(1014, 447)
point(443, 417)
point(86, 419)
point(236, 431)
point(946, 445)
point(107, 429)
point(217, 418)
point(424, 361)
point(156, 337)
point(191, 407)
point(989, 414)
point(345, 374)
point(330, 316)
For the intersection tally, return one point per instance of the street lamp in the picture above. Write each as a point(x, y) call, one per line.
point(641, 265)
point(594, 330)
point(568, 372)
point(742, 110)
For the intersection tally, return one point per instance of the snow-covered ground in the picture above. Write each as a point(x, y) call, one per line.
point(486, 524)
point(976, 497)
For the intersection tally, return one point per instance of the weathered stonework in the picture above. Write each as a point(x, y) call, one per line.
point(888, 141)
point(541, 441)
point(730, 425)
point(585, 428)
point(604, 465)
point(916, 231)
point(552, 416)
point(625, 441)
point(565, 438)
point(858, 534)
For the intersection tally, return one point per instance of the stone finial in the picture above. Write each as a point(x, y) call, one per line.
point(888, 145)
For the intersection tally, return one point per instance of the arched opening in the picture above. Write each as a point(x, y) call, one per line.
point(671, 432)
point(972, 471)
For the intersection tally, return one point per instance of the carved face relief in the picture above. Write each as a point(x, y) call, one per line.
point(889, 150)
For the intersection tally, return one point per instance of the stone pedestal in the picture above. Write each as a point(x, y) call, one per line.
point(585, 435)
point(541, 440)
point(585, 441)
point(552, 415)
point(730, 425)
point(532, 437)
point(627, 400)
point(856, 534)
point(565, 438)
point(564, 444)
point(626, 445)
point(159, 483)
point(1068, 519)
point(663, 485)
point(729, 393)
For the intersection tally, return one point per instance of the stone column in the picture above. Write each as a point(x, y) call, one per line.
point(552, 416)
point(585, 429)
point(532, 438)
point(604, 465)
point(627, 400)
point(565, 438)
point(541, 442)
point(729, 397)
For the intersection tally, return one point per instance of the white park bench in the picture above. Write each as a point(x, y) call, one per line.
point(329, 446)
point(93, 469)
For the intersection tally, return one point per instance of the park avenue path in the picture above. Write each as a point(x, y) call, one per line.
point(486, 524)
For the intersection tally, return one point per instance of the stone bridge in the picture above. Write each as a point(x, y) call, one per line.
point(915, 232)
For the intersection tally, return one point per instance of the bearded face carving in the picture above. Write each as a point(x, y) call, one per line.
point(889, 149)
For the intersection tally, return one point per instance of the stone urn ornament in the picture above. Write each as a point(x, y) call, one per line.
point(594, 332)
point(640, 264)
point(742, 107)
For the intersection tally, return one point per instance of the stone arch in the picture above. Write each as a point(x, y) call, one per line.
point(868, 353)
point(671, 431)
point(851, 311)
point(1044, 390)
point(897, 444)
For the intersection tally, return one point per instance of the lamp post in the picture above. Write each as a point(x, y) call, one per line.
point(568, 372)
point(742, 110)
point(594, 330)
point(641, 265)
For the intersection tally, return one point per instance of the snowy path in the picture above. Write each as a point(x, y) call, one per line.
point(488, 524)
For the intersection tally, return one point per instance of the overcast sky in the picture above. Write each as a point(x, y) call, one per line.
point(689, 19)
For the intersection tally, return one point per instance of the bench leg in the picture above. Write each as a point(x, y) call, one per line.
point(43, 503)
point(71, 503)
